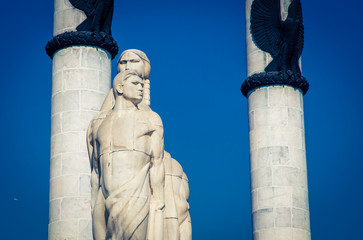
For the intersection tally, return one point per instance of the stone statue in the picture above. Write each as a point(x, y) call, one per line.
point(284, 40)
point(177, 224)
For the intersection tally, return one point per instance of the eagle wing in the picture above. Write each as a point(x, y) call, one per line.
point(266, 25)
point(87, 6)
point(296, 6)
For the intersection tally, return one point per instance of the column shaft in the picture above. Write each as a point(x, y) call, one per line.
point(81, 81)
point(280, 207)
point(279, 190)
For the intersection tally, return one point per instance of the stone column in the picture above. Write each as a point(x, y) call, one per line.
point(279, 190)
point(81, 81)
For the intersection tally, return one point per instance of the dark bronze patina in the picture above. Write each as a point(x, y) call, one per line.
point(95, 30)
point(99, 15)
point(283, 40)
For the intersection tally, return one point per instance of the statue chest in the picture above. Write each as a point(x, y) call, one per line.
point(126, 131)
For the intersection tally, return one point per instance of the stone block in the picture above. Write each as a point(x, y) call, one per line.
point(293, 96)
point(251, 120)
point(104, 84)
point(270, 117)
point(257, 60)
point(91, 58)
point(295, 118)
point(298, 158)
point(300, 198)
point(67, 19)
point(271, 197)
point(85, 230)
point(256, 236)
point(288, 176)
point(56, 126)
point(279, 155)
point(60, 5)
point(299, 234)
point(54, 210)
point(57, 81)
point(71, 122)
point(276, 234)
point(63, 186)
point(261, 178)
point(65, 101)
point(283, 217)
point(253, 159)
point(294, 137)
point(254, 200)
point(258, 138)
point(276, 96)
point(75, 163)
point(300, 219)
point(258, 98)
point(85, 185)
point(263, 219)
point(67, 58)
point(63, 230)
point(75, 207)
point(282, 196)
point(265, 198)
point(78, 79)
point(268, 156)
point(55, 166)
point(105, 59)
point(91, 100)
point(65, 142)
point(82, 142)
point(86, 117)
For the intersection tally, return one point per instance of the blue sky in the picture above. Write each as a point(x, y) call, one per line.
point(198, 59)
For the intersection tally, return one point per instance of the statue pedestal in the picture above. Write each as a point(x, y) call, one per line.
point(81, 81)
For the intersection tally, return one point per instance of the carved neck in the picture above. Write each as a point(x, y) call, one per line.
point(123, 104)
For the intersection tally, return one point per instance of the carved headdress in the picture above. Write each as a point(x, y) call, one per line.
point(147, 68)
point(110, 99)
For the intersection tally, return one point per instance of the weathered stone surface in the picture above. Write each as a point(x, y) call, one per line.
point(70, 207)
point(127, 145)
point(278, 164)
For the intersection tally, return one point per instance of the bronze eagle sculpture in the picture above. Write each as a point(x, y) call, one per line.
point(99, 15)
point(284, 40)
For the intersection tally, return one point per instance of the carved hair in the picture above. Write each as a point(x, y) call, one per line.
point(147, 69)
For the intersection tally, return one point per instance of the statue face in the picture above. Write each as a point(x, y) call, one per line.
point(130, 61)
point(133, 89)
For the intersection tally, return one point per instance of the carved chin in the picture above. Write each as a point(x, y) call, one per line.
point(137, 100)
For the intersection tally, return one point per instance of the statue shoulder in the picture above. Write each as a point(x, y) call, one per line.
point(154, 118)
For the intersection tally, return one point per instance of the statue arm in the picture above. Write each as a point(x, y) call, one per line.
point(94, 166)
point(157, 181)
point(90, 143)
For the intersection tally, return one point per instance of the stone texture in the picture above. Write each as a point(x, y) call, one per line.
point(131, 179)
point(66, 18)
point(63, 186)
point(278, 163)
point(85, 230)
point(54, 210)
point(70, 207)
point(61, 230)
point(263, 219)
point(75, 208)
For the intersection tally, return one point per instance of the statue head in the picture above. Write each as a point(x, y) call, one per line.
point(129, 85)
point(133, 59)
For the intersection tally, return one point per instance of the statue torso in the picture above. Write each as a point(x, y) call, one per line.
point(123, 146)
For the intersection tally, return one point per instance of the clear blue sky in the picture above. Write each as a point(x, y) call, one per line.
point(198, 59)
